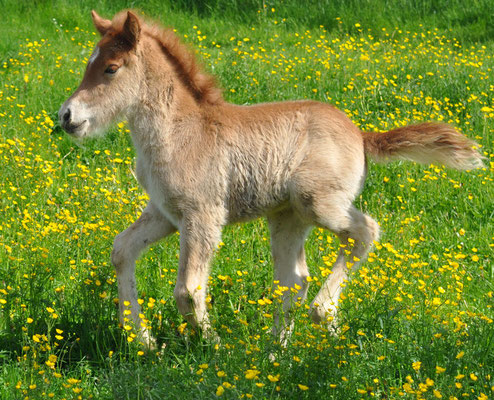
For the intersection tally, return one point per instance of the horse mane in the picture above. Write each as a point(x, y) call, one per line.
point(201, 84)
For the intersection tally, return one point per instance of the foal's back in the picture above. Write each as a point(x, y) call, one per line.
point(281, 154)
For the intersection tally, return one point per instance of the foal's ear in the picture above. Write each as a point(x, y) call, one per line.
point(132, 29)
point(101, 24)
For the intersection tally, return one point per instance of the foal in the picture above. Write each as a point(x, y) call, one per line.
point(206, 163)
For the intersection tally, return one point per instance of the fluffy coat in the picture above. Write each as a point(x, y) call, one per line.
point(206, 163)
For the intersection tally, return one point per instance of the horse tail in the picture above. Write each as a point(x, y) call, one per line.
point(426, 143)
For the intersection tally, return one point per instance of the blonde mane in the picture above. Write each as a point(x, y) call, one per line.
point(201, 84)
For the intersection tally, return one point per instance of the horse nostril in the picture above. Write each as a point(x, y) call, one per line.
point(66, 116)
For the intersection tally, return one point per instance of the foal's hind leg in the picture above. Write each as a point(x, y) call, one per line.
point(288, 235)
point(357, 232)
point(151, 226)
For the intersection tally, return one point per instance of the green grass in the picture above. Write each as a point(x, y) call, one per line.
point(415, 322)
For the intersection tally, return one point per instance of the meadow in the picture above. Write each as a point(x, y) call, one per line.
point(415, 322)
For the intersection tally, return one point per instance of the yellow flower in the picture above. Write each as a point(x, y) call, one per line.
point(220, 390)
point(275, 378)
point(181, 327)
point(251, 373)
point(440, 370)
point(408, 388)
point(303, 387)
point(416, 365)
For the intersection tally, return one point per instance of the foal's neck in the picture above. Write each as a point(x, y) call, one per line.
point(159, 116)
point(168, 106)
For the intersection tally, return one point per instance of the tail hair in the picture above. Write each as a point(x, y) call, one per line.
point(426, 143)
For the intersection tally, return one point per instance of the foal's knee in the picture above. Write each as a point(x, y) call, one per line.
point(372, 229)
point(364, 231)
point(120, 253)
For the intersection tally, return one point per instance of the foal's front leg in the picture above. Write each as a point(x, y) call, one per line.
point(199, 236)
point(151, 226)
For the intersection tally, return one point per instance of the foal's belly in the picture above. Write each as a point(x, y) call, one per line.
point(244, 198)
point(253, 201)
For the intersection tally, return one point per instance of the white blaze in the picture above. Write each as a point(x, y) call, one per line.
point(94, 56)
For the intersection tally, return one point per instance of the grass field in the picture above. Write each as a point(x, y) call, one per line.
point(415, 322)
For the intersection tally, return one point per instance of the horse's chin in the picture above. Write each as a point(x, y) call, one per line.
point(78, 131)
point(87, 130)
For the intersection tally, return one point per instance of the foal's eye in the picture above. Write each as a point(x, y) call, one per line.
point(111, 69)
